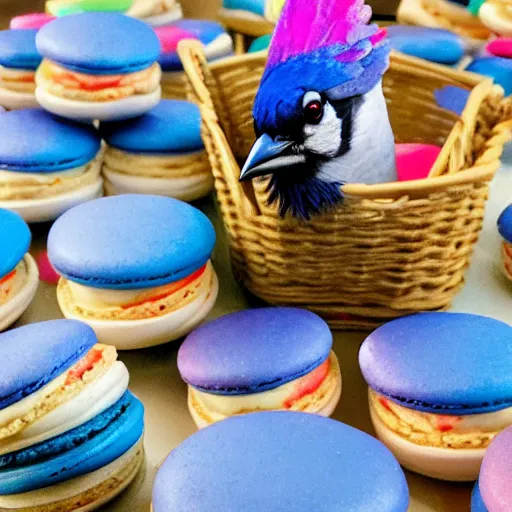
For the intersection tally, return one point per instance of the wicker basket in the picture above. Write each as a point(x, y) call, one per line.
point(430, 13)
point(175, 86)
point(391, 249)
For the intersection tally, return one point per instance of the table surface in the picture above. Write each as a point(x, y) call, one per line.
point(155, 378)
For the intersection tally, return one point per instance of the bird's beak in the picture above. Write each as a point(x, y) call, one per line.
point(268, 156)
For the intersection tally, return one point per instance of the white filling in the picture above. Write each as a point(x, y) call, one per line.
point(94, 399)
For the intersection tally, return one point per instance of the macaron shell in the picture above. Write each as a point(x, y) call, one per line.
point(99, 43)
point(496, 474)
point(50, 144)
point(80, 459)
point(130, 242)
point(254, 6)
point(452, 98)
point(414, 161)
point(34, 20)
point(173, 126)
point(254, 350)
point(18, 49)
point(204, 30)
point(432, 44)
point(505, 223)
point(440, 362)
point(500, 47)
point(496, 67)
point(35, 354)
point(15, 238)
point(299, 461)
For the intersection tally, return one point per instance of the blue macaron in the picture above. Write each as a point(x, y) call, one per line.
point(254, 6)
point(280, 461)
point(35, 141)
point(254, 350)
point(130, 242)
point(260, 44)
point(77, 452)
point(99, 43)
point(477, 503)
point(205, 30)
point(441, 363)
point(432, 44)
point(35, 354)
point(18, 49)
point(505, 224)
point(15, 238)
point(172, 127)
point(498, 68)
point(452, 97)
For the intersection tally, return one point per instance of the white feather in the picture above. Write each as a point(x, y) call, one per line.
point(324, 138)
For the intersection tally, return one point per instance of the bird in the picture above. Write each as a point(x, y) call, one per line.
point(320, 115)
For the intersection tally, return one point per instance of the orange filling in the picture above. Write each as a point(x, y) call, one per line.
point(309, 383)
point(6, 278)
point(170, 289)
point(84, 365)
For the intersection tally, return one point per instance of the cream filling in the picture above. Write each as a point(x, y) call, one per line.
point(95, 398)
point(100, 298)
point(497, 16)
point(24, 185)
point(15, 79)
point(156, 166)
point(428, 422)
point(10, 287)
point(219, 406)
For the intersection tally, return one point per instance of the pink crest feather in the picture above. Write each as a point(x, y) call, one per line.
point(307, 25)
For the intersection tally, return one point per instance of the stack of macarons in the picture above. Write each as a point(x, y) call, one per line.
point(98, 65)
point(135, 268)
point(19, 60)
point(18, 272)
point(217, 43)
point(158, 153)
point(432, 44)
point(280, 461)
point(440, 389)
point(260, 359)
point(153, 12)
point(505, 230)
point(493, 492)
point(70, 431)
point(47, 164)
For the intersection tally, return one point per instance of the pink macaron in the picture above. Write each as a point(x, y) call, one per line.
point(501, 47)
point(34, 20)
point(414, 161)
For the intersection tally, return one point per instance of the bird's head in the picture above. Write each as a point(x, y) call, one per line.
point(323, 59)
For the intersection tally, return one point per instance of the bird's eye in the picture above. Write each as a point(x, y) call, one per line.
point(313, 112)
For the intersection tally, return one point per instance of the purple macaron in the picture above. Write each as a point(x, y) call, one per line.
point(260, 359)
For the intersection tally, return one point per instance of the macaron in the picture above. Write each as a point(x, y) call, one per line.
point(47, 164)
point(492, 492)
point(280, 461)
point(217, 43)
point(414, 161)
point(70, 431)
point(135, 268)
point(159, 153)
point(98, 65)
point(34, 20)
point(67, 7)
point(254, 10)
point(505, 230)
point(260, 359)
point(500, 47)
point(452, 97)
point(19, 59)
point(439, 392)
point(498, 68)
point(19, 276)
point(156, 12)
point(496, 15)
point(432, 44)
point(260, 44)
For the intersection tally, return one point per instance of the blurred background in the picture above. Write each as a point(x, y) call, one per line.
point(192, 8)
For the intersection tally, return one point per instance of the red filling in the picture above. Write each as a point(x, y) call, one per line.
point(384, 404)
point(87, 363)
point(6, 278)
point(172, 288)
point(447, 423)
point(309, 383)
point(92, 83)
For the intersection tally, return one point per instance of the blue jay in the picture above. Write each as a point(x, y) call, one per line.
point(320, 114)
